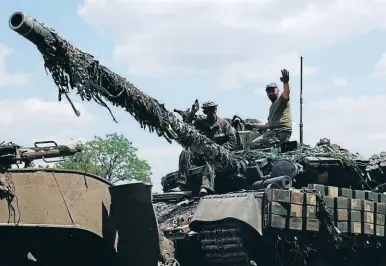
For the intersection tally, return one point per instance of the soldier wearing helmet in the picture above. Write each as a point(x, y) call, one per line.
point(215, 128)
point(279, 118)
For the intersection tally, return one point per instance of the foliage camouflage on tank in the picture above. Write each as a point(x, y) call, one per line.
point(303, 205)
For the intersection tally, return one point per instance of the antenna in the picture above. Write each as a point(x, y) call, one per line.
point(301, 102)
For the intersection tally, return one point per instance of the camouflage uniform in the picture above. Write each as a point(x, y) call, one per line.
point(280, 121)
point(222, 133)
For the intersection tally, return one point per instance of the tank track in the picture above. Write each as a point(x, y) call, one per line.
point(222, 244)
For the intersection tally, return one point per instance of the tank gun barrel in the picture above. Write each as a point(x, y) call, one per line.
point(15, 154)
point(29, 28)
point(73, 69)
point(34, 153)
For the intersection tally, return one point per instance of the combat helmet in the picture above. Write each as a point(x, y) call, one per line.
point(209, 104)
point(323, 141)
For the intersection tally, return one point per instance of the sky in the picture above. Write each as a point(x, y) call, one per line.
point(223, 51)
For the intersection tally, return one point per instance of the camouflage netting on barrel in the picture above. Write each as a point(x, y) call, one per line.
point(73, 69)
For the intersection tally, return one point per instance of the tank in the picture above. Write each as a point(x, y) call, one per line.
point(54, 216)
point(291, 204)
point(325, 203)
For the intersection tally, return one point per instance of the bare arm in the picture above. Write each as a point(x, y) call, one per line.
point(286, 91)
point(260, 125)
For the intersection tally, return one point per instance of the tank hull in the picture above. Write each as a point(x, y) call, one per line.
point(57, 198)
point(63, 217)
point(56, 212)
point(277, 227)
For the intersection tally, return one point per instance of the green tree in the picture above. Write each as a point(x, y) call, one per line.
point(113, 158)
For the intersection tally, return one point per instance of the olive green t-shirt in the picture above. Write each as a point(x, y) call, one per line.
point(280, 114)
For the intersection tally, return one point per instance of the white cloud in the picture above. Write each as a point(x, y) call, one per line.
point(295, 130)
point(233, 41)
point(340, 82)
point(260, 92)
point(163, 159)
point(34, 112)
point(232, 76)
point(354, 123)
point(70, 140)
point(313, 87)
point(317, 87)
point(379, 136)
point(332, 84)
point(6, 78)
point(36, 120)
point(380, 67)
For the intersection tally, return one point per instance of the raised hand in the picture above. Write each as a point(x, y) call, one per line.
point(195, 106)
point(284, 76)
